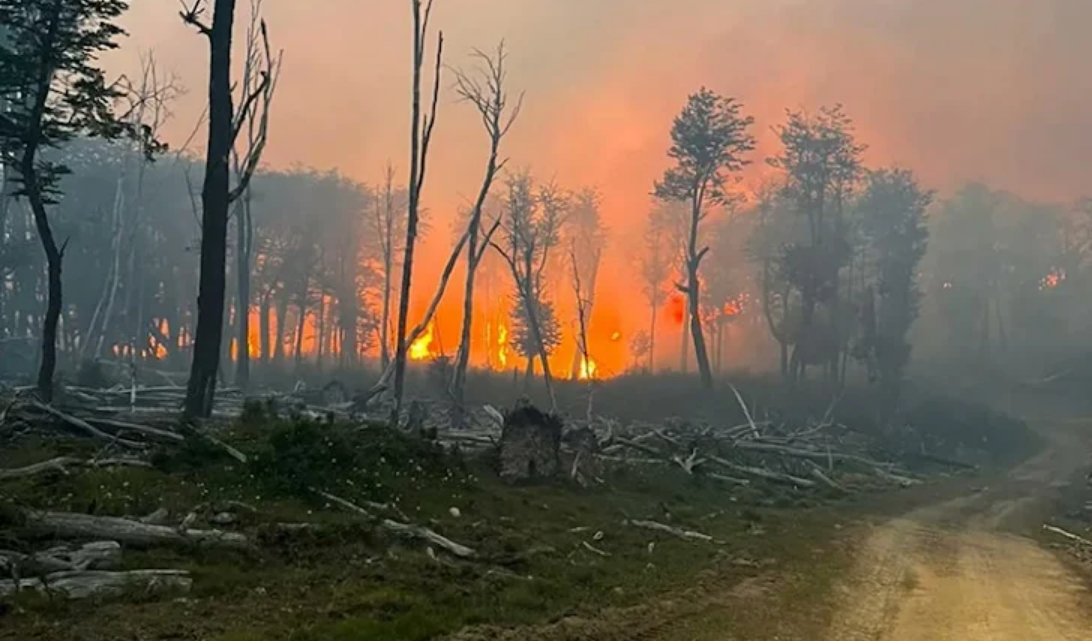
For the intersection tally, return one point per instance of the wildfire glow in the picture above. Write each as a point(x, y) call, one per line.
point(587, 368)
point(421, 349)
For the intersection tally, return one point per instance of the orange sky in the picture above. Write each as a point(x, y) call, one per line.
point(995, 90)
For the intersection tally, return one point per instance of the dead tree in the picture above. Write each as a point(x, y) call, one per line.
point(389, 225)
point(420, 137)
point(586, 243)
point(217, 194)
point(147, 110)
point(484, 89)
point(258, 61)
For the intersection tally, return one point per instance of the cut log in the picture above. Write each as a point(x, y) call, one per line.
point(779, 477)
point(92, 583)
point(674, 531)
point(84, 526)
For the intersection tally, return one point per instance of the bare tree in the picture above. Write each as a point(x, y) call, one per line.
point(709, 137)
point(532, 226)
point(217, 194)
point(420, 137)
point(258, 61)
point(587, 239)
point(656, 262)
point(389, 229)
point(484, 89)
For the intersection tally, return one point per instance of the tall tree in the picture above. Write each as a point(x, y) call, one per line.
point(55, 91)
point(242, 153)
point(655, 270)
point(532, 227)
point(821, 160)
point(892, 222)
point(420, 137)
point(709, 139)
point(587, 238)
point(484, 89)
point(224, 125)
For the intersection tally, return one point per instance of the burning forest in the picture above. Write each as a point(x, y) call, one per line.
point(474, 319)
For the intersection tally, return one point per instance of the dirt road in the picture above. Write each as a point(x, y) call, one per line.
point(961, 571)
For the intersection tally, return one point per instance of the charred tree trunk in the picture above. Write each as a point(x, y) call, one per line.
point(652, 341)
point(244, 229)
point(201, 390)
point(264, 328)
point(693, 292)
point(280, 334)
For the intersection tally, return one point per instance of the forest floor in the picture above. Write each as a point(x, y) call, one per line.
point(552, 561)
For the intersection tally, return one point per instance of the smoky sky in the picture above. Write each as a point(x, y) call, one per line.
point(992, 90)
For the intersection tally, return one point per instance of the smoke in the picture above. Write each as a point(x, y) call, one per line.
point(990, 90)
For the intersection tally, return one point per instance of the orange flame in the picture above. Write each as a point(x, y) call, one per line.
point(588, 368)
point(502, 345)
point(421, 349)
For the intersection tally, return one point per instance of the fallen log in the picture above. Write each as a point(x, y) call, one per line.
point(52, 465)
point(145, 430)
point(95, 583)
point(770, 475)
point(60, 463)
point(97, 555)
point(84, 526)
point(667, 529)
point(84, 425)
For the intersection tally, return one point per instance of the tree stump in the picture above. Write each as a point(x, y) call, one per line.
point(529, 445)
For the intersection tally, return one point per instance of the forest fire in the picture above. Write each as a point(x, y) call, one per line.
point(588, 369)
point(502, 345)
point(1053, 279)
point(421, 349)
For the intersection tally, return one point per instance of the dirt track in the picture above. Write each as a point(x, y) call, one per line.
point(961, 571)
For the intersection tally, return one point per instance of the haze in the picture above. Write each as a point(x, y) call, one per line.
point(984, 90)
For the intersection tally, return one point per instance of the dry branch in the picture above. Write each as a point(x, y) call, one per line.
point(770, 475)
point(406, 530)
point(1069, 535)
point(52, 465)
point(83, 425)
point(674, 531)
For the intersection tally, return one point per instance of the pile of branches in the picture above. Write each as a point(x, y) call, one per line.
point(815, 454)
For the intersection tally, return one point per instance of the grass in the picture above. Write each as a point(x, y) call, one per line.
point(351, 582)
